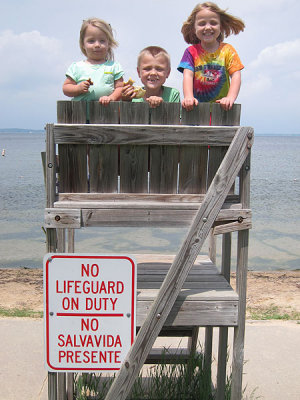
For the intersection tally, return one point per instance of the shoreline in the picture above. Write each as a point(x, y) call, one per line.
point(270, 295)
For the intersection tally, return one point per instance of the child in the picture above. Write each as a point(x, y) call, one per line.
point(153, 67)
point(98, 77)
point(211, 68)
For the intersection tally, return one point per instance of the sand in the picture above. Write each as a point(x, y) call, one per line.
point(268, 292)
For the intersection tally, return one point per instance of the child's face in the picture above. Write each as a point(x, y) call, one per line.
point(95, 44)
point(207, 28)
point(153, 71)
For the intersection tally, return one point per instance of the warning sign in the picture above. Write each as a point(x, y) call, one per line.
point(89, 311)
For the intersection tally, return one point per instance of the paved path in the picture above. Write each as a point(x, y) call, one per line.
point(272, 354)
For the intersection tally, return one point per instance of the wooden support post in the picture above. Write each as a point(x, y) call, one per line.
point(193, 340)
point(208, 347)
point(212, 247)
point(241, 287)
point(61, 386)
point(70, 386)
point(226, 256)
point(52, 386)
point(239, 331)
point(70, 375)
point(223, 331)
point(182, 264)
point(222, 363)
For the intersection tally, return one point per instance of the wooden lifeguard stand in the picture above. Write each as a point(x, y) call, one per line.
point(136, 166)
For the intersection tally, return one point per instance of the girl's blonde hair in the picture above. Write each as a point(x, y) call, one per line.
point(105, 28)
point(229, 23)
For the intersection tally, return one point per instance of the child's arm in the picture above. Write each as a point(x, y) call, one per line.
point(116, 94)
point(72, 89)
point(188, 80)
point(235, 84)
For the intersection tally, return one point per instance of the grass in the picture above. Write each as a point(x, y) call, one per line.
point(272, 313)
point(20, 313)
point(177, 381)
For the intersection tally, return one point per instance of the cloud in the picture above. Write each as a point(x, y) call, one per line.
point(276, 68)
point(257, 85)
point(31, 75)
point(285, 54)
point(31, 59)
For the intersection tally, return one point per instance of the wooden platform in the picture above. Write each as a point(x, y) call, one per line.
point(206, 299)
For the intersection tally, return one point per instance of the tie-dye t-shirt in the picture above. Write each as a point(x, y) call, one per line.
point(211, 70)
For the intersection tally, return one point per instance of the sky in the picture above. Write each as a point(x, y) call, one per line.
point(39, 40)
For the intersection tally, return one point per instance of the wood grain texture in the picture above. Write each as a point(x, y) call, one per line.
point(143, 134)
point(182, 264)
point(136, 166)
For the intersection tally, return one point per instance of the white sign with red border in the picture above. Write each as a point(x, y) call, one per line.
point(90, 307)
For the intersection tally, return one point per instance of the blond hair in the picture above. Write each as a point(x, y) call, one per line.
point(154, 51)
point(105, 28)
point(229, 23)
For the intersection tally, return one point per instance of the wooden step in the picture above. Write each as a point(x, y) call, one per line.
point(206, 299)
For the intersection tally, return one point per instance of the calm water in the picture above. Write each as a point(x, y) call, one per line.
point(275, 195)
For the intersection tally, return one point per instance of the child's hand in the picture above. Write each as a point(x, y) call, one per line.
point(189, 102)
point(83, 86)
point(226, 102)
point(154, 101)
point(128, 92)
point(105, 100)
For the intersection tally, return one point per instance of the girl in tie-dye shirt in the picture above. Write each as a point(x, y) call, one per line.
point(211, 68)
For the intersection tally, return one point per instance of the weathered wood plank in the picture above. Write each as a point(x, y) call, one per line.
point(73, 176)
point(149, 217)
point(100, 114)
point(52, 386)
point(72, 112)
point(239, 331)
point(233, 227)
point(229, 210)
point(193, 159)
point(133, 169)
point(60, 218)
point(100, 197)
point(241, 283)
point(220, 117)
point(103, 159)
point(72, 159)
point(139, 213)
point(143, 134)
point(193, 166)
point(184, 260)
point(156, 284)
point(164, 159)
point(226, 294)
point(202, 313)
point(133, 159)
point(50, 166)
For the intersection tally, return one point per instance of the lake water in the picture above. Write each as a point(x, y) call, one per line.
point(275, 196)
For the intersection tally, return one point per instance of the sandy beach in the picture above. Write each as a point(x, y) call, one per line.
point(269, 293)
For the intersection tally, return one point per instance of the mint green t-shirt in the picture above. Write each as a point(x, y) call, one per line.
point(103, 77)
point(169, 95)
